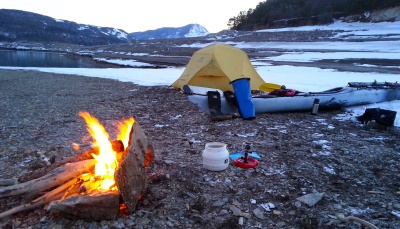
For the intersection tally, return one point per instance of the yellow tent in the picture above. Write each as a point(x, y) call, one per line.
point(217, 65)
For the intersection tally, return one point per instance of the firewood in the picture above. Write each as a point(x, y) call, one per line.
point(93, 206)
point(149, 155)
point(73, 189)
point(29, 206)
point(131, 176)
point(56, 191)
point(117, 145)
point(54, 178)
point(86, 155)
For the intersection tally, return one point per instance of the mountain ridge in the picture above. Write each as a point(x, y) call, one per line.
point(190, 30)
point(23, 26)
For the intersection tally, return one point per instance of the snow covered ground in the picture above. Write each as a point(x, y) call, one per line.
point(296, 77)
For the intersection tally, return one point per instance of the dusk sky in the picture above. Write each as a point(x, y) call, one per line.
point(135, 16)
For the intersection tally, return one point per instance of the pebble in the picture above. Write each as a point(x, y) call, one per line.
point(396, 213)
point(223, 212)
point(292, 213)
point(337, 206)
point(311, 199)
point(241, 221)
point(297, 204)
point(280, 224)
point(168, 162)
point(129, 222)
point(220, 202)
point(258, 213)
point(267, 206)
point(276, 212)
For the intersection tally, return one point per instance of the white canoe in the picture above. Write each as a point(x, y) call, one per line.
point(332, 99)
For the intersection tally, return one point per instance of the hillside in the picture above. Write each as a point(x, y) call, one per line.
point(19, 25)
point(191, 30)
point(287, 13)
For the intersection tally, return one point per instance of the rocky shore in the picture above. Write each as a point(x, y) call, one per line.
point(351, 169)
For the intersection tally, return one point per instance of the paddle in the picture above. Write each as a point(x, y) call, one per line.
point(268, 87)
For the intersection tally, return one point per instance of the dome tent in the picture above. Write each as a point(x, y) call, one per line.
point(216, 66)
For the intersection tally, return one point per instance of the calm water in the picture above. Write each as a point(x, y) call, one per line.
point(13, 58)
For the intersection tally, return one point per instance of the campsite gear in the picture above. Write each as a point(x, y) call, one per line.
point(336, 98)
point(231, 99)
point(200, 90)
point(214, 102)
point(269, 87)
point(380, 116)
point(214, 106)
point(245, 161)
point(283, 92)
point(238, 154)
point(375, 84)
point(187, 90)
point(215, 156)
point(315, 107)
point(215, 66)
point(251, 163)
point(242, 91)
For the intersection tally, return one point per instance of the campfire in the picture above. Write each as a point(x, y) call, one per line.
point(94, 184)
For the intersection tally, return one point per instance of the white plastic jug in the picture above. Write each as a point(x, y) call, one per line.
point(215, 156)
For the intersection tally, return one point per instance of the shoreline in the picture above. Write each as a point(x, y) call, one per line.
point(300, 154)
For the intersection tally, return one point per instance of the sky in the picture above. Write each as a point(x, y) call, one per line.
point(136, 16)
point(296, 77)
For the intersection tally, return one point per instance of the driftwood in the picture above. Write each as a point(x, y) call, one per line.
point(56, 177)
point(131, 176)
point(29, 206)
point(364, 223)
point(94, 206)
point(86, 155)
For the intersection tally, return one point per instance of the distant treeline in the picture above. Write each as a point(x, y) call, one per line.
point(278, 13)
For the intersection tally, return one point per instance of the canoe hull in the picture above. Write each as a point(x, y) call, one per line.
point(332, 99)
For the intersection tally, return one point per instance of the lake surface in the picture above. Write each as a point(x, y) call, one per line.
point(17, 58)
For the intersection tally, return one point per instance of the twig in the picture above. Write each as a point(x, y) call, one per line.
point(29, 206)
point(55, 191)
point(376, 192)
point(366, 224)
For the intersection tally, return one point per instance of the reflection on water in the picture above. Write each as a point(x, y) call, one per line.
point(16, 58)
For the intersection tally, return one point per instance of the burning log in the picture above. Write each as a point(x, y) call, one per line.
point(94, 206)
point(131, 175)
point(118, 146)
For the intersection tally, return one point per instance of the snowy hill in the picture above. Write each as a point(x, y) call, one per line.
point(191, 30)
point(19, 25)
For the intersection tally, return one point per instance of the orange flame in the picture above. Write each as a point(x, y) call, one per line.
point(106, 159)
point(124, 131)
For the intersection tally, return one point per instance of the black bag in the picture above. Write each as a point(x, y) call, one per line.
point(381, 116)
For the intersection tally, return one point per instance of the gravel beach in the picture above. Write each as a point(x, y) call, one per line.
point(354, 168)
